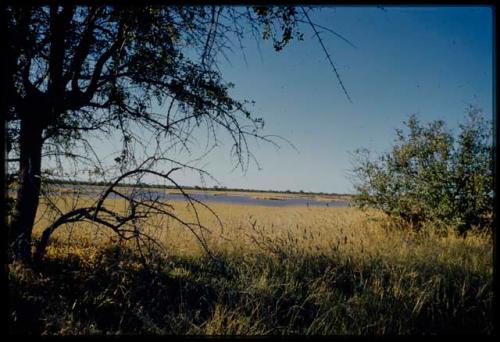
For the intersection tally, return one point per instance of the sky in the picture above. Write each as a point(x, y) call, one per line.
point(431, 61)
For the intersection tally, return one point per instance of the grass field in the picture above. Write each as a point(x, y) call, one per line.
point(286, 270)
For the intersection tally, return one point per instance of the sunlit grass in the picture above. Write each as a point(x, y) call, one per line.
point(284, 270)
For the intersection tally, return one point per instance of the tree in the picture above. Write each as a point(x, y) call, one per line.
point(473, 172)
point(430, 176)
point(73, 72)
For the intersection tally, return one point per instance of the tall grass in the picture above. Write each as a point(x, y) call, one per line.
point(287, 270)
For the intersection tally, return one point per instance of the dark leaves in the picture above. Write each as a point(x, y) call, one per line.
point(428, 177)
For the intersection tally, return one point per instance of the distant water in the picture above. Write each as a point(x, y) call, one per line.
point(94, 191)
point(248, 200)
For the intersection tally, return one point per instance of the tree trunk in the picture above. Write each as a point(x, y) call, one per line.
point(28, 190)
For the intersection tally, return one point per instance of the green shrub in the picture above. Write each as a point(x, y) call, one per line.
point(431, 175)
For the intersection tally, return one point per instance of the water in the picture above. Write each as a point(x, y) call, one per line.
point(248, 200)
point(94, 191)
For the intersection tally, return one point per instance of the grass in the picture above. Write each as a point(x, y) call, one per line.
point(287, 270)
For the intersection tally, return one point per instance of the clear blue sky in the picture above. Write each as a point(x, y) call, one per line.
point(432, 61)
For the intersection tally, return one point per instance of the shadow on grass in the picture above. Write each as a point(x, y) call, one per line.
point(295, 295)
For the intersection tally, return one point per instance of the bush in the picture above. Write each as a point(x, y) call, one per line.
point(432, 176)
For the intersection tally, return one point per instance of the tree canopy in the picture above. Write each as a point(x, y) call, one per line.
point(432, 175)
point(148, 73)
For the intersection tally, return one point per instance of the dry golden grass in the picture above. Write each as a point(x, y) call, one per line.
point(306, 230)
point(289, 270)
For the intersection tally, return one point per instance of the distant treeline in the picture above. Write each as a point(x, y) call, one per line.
point(215, 188)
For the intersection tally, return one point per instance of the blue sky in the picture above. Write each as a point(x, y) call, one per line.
point(432, 61)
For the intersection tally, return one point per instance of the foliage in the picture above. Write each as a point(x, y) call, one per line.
point(148, 76)
point(100, 69)
point(432, 176)
point(473, 176)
